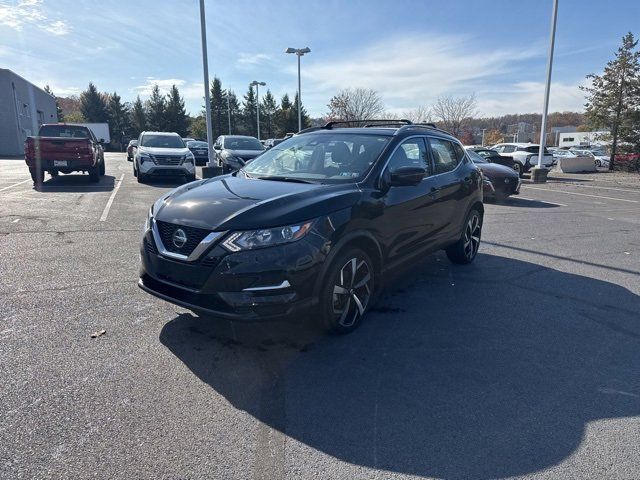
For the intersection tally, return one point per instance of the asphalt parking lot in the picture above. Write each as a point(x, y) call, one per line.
point(525, 364)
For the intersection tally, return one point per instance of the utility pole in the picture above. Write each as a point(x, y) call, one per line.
point(229, 111)
point(205, 67)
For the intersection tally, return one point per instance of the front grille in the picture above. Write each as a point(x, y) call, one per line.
point(194, 237)
point(210, 262)
point(167, 160)
point(150, 247)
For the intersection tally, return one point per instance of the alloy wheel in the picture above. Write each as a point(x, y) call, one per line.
point(472, 236)
point(352, 291)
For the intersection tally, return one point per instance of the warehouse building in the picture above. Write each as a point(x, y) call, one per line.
point(23, 108)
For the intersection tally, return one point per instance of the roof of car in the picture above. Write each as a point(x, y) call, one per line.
point(168, 134)
point(238, 136)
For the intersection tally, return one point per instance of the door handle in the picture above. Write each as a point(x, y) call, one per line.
point(434, 192)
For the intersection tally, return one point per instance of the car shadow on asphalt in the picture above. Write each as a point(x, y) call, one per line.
point(165, 182)
point(523, 202)
point(76, 183)
point(482, 371)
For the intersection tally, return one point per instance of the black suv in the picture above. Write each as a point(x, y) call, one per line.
point(314, 224)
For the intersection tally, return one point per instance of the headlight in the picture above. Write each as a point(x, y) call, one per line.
point(145, 158)
point(267, 237)
point(189, 158)
point(147, 222)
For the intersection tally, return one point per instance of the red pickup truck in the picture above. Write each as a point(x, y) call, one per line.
point(62, 148)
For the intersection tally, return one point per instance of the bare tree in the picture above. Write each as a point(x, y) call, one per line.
point(420, 114)
point(454, 112)
point(355, 104)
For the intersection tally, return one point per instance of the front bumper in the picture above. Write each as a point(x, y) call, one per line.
point(263, 284)
point(151, 169)
point(502, 187)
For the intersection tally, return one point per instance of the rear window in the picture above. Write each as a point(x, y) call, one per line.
point(64, 131)
point(533, 149)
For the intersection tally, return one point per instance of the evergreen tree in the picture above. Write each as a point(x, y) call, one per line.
point(268, 114)
point(305, 120)
point(59, 113)
point(613, 99)
point(176, 118)
point(198, 126)
point(138, 117)
point(249, 113)
point(284, 118)
point(119, 119)
point(236, 113)
point(93, 105)
point(218, 108)
point(156, 107)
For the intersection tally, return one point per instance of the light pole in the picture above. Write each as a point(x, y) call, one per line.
point(483, 130)
point(205, 67)
point(299, 53)
point(539, 174)
point(229, 111)
point(256, 84)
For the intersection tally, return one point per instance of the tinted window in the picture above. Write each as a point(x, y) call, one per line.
point(445, 155)
point(194, 144)
point(475, 157)
point(410, 153)
point(161, 141)
point(242, 143)
point(508, 149)
point(64, 131)
point(533, 149)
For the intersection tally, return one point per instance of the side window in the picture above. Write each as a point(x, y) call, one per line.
point(498, 148)
point(410, 153)
point(508, 149)
point(445, 155)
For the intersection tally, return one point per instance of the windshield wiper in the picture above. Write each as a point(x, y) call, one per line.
point(285, 179)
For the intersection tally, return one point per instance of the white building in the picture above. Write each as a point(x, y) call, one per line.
point(583, 139)
point(23, 108)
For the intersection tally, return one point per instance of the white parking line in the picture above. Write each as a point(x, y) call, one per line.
point(14, 185)
point(583, 194)
point(107, 207)
point(540, 201)
point(604, 188)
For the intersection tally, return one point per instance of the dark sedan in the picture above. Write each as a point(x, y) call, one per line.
point(499, 181)
point(234, 151)
point(200, 151)
point(492, 156)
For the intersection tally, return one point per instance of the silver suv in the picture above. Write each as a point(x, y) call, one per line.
point(163, 154)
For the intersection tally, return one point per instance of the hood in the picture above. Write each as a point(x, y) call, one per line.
point(163, 151)
point(244, 154)
point(236, 203)
point(496, 170)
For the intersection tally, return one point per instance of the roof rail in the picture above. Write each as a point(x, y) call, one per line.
point(402, 121)
point(431, 126)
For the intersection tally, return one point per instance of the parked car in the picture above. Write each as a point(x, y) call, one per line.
point(499, 181)
point(163, 154)
point(188, 139)
point(64, 148)
point(200, 151)
point(492, 156)
point(525, 155)
point(628, 162)
point(131, 149)
point(272, 142)
point(600, 159)
point(233, 151)
point(314, 225)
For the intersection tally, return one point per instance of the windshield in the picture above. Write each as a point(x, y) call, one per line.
point(242, 143)
point(475, 158)
point(64, 131)
point(193, 144)
point(330, 158)
point(162, 141)
point(486, 153)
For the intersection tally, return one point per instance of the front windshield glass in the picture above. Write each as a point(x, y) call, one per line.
point(194, 144)
point(162, 141)
point(325, 158)
point(242, 143)
point(475, 158)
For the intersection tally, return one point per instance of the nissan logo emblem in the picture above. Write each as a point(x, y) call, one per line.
point(179, 238)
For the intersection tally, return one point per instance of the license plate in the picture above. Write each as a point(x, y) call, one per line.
point(202, 152)
point(59, 163)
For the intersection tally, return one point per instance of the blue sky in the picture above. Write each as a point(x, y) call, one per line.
point(411, 51)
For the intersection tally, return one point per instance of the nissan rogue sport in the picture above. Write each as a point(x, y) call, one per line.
point(314, 224)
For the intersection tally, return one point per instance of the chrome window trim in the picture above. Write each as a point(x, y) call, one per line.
point(197, 252)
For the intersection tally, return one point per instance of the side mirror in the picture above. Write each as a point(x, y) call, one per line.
point(101, 141)
point(406, 176)
point(216, 147)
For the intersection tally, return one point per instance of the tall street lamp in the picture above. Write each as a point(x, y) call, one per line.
point(229, 110)
point(538, 173)
point(205, 67)
point(255, 83)
point(299, 52)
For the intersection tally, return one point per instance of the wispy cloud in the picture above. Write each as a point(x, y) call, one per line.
point(17, 14)
point(188, 90)
point(245, 59)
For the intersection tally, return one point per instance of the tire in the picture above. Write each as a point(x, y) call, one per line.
point(464, 251)
point(102, 167)
point(135, 171)
point(141, 177)
point(345, 297)
point(518, 168)
point(598, 163)
point(94, 174)
point(37, 176)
